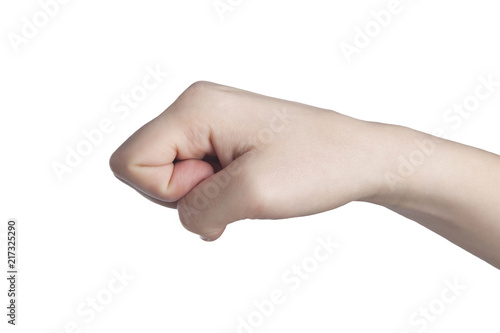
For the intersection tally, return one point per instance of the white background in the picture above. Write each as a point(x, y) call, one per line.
point(75, 232)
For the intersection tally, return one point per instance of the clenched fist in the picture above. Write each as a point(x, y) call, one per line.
point(221, 154)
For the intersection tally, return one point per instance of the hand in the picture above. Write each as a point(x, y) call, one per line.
point(221, 154)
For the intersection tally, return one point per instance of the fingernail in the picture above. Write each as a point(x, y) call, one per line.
point(205, 238)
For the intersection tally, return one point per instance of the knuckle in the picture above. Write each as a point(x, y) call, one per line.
point(204, 96)
point(200, 85)
point(117, 163)
point(199, 90)
point(122, 165)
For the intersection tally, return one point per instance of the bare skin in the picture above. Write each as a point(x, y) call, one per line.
point(220, 154)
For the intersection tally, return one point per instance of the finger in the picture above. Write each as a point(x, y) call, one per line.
point(185, 176)
point(156, 201)
point(146, 160)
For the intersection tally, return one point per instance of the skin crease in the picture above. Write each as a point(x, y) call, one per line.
point(220, 154)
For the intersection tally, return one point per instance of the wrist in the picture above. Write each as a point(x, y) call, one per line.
point(373, 150)
point(410, 165)
point(398, 156)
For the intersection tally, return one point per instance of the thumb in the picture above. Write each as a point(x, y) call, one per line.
point(215, 202)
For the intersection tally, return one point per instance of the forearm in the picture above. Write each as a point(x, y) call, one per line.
point(447, 187)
